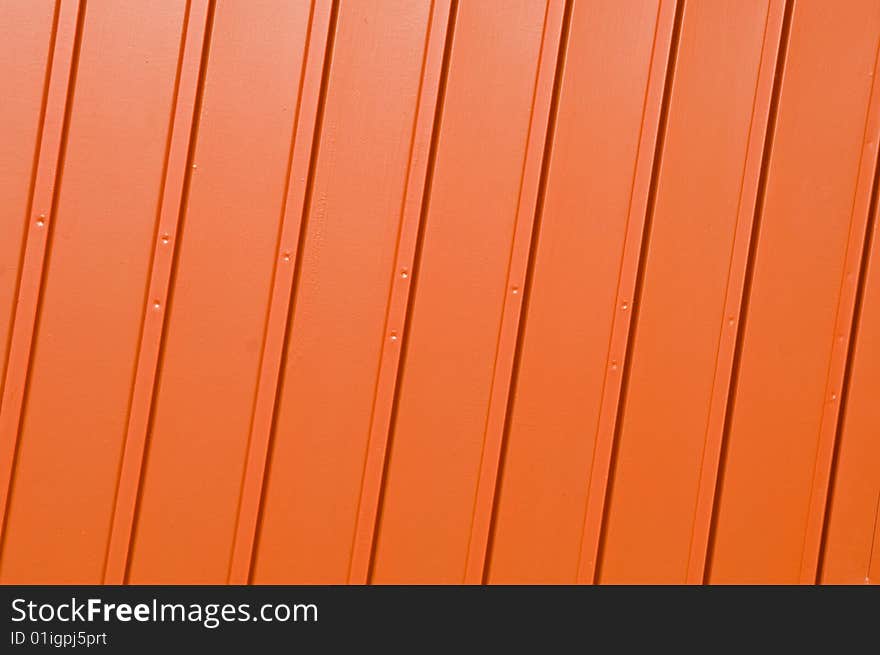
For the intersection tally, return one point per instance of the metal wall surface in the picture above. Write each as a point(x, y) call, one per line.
point(439, 291)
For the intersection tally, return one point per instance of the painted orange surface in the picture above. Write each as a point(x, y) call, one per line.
point(543, 291)
point(459, 288)
point(801, 262)
point(564, 343)
point(852, 546)
point(681, 305)
point(340, 298)
point(26, 30)
point(211, 356)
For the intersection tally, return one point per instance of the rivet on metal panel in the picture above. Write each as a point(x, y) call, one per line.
point(404, 273)
point(394, 336)
point(41, 220)
point(286, 256)
point(165, 239)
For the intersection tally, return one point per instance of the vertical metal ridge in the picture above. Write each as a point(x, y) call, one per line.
point(175, 183)
point(420, 241)
point(426, 129)
point(644, 247)
point(644, 182)
point(839, 365)
point(58, 97)
point(871, 247)
point(304, 148)
point(754, 170)
point(26, 223)
point(298, 240)
point(529, 280)
point(747, 282)
point(532, 182)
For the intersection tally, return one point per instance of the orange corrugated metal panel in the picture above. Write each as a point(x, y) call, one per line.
point(439, 291)
point(97, 264)
point(25, 35)
point(171, 204)
point(681, 305)
point(542, 496)
point(795, 294)
point(851, 547)
point(459, 289)
point(339, 304)
point(205, 391)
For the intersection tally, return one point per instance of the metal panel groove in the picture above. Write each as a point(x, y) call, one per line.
point(532, 185)
point(405, 274)
point(764, 506)
point(66, 35)
point(300, 179)
point(195, 42)
point(666, 41)
point(849, 540)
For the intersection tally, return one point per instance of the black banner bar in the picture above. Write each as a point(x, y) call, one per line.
point(282, 618)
